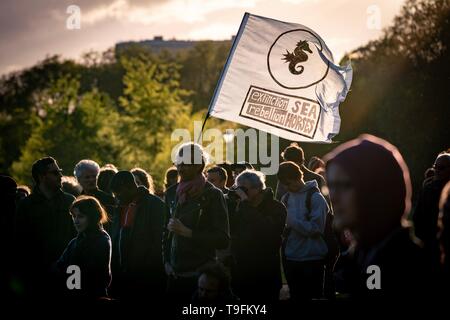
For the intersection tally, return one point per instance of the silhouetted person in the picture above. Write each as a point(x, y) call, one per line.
point(258, 224)
point(239, 167)
point(214, 286)
point(428, 176)
point(305, 249)
point(143, 178)
point(316, 164)
point(43, 228)
point(23, 191)
point(86, 172)
point(228, 168)
point(104, 177)
point(8, 200)
point(426, 212)
point(170, 178)
point(136, 232)
point(71, 186)
point(371, 192)
point(197, 223)
point(295, 154)
point(218, 177)
point(444, 236)
point(90, 251)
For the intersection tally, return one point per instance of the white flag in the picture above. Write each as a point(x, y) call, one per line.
point(280, 78)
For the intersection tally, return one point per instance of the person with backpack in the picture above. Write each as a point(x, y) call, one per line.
point(304, 248)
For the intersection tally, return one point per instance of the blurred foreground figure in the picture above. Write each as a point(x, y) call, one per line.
point(370, 191)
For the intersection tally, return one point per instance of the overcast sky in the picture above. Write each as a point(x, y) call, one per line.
point(32, 29)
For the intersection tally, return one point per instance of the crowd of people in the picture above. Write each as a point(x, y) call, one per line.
point(218, 234)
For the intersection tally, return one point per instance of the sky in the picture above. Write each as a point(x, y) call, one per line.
point(30, 30)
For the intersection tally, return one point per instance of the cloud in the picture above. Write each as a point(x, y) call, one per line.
point(215, 31)
point(164, 12)
point(29, 30)
point(300, 1)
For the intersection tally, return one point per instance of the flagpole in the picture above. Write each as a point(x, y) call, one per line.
point(222, 73)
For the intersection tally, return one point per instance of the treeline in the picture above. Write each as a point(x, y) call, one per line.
point(113, 107)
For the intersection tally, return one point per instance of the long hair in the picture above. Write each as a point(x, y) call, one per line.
point(91, 207)
point(145, 178)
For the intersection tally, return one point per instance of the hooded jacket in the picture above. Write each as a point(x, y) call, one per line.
point(306, 237)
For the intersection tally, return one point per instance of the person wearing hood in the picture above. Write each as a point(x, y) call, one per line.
point(370, 190)
point(305, 248)
point(256, 239)
point(90, 251)
point(136, 232)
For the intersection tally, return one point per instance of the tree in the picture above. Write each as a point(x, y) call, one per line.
point(152, 107)
point(69, 127)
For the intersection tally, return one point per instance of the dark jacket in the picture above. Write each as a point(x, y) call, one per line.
point(91, 252)
point(425, 217)
point(107, 201)
point(137, 265)
point(255, 246)
point(207, 217)
point(43, 228)
point(405, 273)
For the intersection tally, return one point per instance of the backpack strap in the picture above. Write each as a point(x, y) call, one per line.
point(309, 194)
point(284, 199)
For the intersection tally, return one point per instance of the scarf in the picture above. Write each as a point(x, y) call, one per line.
point(191, 188)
